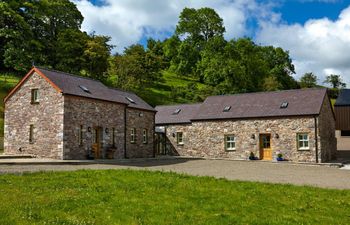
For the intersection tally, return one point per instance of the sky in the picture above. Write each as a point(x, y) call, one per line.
point(315, 32)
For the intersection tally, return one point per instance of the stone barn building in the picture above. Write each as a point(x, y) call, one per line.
point(299, 124)
point(342, 115)
point(57, 115)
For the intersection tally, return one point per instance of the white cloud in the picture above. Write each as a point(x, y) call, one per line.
point(127, 21)
point(320, 45)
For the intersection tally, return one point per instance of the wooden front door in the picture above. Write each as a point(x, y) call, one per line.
point(96, 147)
point(265, 147)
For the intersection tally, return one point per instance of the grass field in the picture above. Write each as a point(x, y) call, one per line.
point(143, 197)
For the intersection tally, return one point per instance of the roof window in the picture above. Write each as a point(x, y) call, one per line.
point(85, 89)
point(177, 111)
point(227, 108)
point(130, 99)
point(284, 105)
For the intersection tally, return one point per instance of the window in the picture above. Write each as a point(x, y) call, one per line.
point(177, 111)
point(345, 133)
point(85, 89)
point(284, 105)
point(227, 108)
point(130, 100)
point(80, 135)
point(113, 137)
point(132, 135)
point(145, 136)
point(303, 141)
point(230, 142)
point(179, 138)
point(35, 96)
point(31, 133)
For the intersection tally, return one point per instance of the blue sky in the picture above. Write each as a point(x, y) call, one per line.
point(315, 32)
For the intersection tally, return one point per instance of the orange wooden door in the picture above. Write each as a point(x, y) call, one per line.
point(265, 147)
point(97, 142)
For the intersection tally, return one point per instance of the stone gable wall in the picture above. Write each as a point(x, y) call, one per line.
point(326, 132)
point(92, 113)
point(139, 120)
point(47, 118)
point(206, 138)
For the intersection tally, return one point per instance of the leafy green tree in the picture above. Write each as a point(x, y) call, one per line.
point(96, 56)
point(335, 80)
point(308, 80)
point(272, 84)
point(200, 24)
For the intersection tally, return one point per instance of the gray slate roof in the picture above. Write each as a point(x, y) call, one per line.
point(343, 98)
point(165, 114)
point(69, 84)
point(301, 102)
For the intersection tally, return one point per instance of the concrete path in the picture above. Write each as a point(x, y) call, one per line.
point(320, 176)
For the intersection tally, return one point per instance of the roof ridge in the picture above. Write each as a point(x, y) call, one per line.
point(68, 74)
point(198, 103)
point(119, 89)
point(263, 92)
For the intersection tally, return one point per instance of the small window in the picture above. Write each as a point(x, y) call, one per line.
point(227, 108)
point(132, 135)
point(179, 138)
point(177, 111)
point(130, 100)
point(230, 142)
point(80, 136)
point(85, 89)
point(31, 133)
point(113, 137)
point(345, 133)
point(303, 141)
point(284, 105)
point(145, 136)
point(35, 96)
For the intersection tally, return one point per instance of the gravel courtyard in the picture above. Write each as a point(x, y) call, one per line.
point(320, 176)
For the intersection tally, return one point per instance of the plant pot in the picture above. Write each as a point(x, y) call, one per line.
point(279, 159)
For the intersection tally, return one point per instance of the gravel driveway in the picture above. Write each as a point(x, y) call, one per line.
point(321, 176)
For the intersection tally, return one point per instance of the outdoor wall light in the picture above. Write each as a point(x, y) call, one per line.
point(253, 136)
point(141, 114)
point(89, 129)
point(277, 136)
point(173, 134)
point(107, 130)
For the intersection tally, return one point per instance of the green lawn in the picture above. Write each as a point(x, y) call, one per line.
point(143, 197)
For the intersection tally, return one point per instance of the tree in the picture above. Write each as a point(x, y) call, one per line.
point(308, 80)
point(200, 24)
point(271, 84)
point(335, 81)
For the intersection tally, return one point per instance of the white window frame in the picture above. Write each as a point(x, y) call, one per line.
point(145, 136)
point(303, 140)
point(179, 135)
point(230, 139)
point(132, 135)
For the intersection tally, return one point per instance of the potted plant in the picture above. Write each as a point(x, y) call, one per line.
point(251, 156)
point(279, 156)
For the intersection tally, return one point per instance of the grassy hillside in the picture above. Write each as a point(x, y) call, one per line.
point(7, 82)
point(172, 89)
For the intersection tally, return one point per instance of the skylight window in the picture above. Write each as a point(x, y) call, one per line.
point(284, 105)
point(130, 100)
point(85, 89)
point(227, 108)
point(177, 111)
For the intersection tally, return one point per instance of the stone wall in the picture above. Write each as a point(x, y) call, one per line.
point(206, 138)
point(46, 117)
point(326, 132)
point(139, 119)
point(94, 114)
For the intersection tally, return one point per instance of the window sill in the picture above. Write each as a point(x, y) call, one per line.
point(132, 142)
point(34, 103)
point(304, 149)
point(180, 144)
point(230, 150)
point(31, 142)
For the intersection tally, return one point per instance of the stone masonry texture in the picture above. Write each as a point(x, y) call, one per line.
point(57, 120)
point(46, 117)
point(206, 138)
